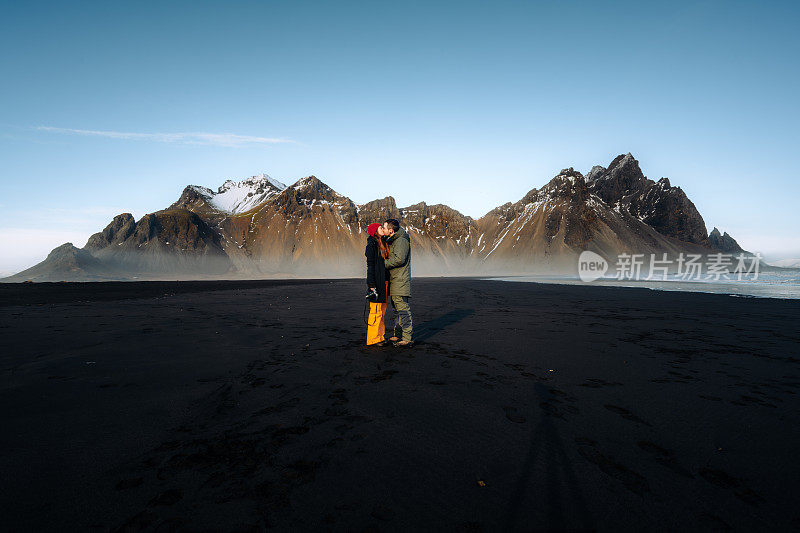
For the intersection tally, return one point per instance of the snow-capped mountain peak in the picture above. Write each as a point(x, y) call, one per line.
point(240, 196)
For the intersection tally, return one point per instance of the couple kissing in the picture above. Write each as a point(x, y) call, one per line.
point(388, 256)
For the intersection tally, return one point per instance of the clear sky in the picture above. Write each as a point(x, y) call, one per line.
point(466, 103)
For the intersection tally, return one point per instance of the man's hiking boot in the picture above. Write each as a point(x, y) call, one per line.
point(393, 339)
point(404, 344)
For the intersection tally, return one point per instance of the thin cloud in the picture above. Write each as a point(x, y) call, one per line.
point(213, 139)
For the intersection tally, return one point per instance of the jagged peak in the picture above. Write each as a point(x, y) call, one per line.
point(569, 184)
point(434, 209)
point(568, 177)
point(623, 163)
point(205, 191)
point(418, 206)
point(723, 242)
point(623, 159)
point(622, 177)
point(569, 173)
point(379, 202)
point(310, 192)
point(123, 217)
point(595, 172)
point(378, 210)
point(120, 227)
point(259, 180)
point(308, 181)
point(312, 187)
point(715, 232)
point(195, 197)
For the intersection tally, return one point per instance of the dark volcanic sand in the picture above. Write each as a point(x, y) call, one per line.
point(246, 406)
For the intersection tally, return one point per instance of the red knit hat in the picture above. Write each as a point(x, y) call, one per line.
point(372, 228)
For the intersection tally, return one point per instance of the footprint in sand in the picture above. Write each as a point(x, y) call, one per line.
point(664, 457)
point(595, 383)
point(624, 413)
point(555, 407)
point(633, 481)
point(724, 480)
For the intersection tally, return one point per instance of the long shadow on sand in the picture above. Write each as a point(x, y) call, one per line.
point(430, 328)
point(559, 477)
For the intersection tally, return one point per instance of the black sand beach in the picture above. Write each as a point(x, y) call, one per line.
point(246, 406)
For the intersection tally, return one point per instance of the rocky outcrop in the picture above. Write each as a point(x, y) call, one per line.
point(666, 209)
point(194, 199)
point(119, 230)
point(438, 221)
point(723, 242)
point(623, 178)
point(379, 210)
point(173, 241)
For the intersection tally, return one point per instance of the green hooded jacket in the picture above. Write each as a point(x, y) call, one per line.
point(399, 263)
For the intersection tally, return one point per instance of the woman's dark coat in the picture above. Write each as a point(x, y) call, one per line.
point(376, 270)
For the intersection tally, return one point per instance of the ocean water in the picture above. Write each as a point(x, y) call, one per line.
point(771, 284)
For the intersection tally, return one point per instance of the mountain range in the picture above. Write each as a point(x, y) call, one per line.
point(260, 227)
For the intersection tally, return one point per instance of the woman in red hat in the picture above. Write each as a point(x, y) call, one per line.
point(378, 283)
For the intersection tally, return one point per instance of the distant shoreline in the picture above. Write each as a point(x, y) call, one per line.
point(51, 292)
point(46, 292)
point(762, 288)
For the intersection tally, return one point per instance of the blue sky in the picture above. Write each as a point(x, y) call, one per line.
point(466, 103)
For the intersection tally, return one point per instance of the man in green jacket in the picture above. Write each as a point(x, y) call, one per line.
point(399, 265)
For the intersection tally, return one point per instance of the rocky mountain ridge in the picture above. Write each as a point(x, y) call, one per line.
point(259, 227)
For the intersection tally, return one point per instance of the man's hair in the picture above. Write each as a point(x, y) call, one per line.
point(393, 223)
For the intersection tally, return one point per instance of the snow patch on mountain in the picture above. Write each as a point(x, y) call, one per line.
point(241, 196)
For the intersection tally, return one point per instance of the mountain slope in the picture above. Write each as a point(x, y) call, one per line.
point(307, 229)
